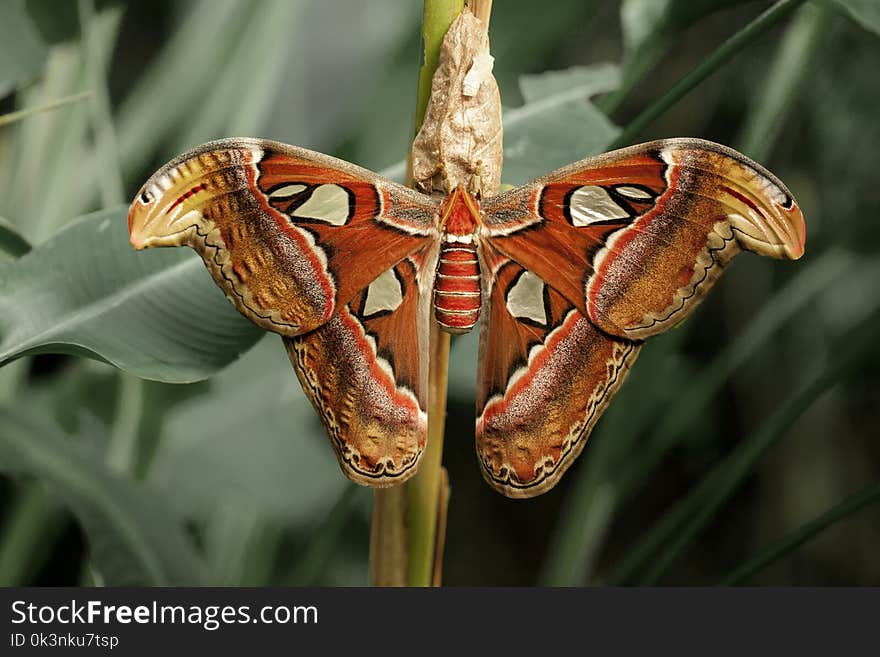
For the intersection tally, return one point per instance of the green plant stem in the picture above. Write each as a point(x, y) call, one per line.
point(795, 539)
point(12, 117)
point(591, 504)
point(791, 64)
point(424, 489)
point(123, 450)
point(109, 177)
point(403, 534)
point(709, 65)
point(388, 537)
point(438, 16)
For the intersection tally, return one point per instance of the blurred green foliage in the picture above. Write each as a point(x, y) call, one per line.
point(742, 449)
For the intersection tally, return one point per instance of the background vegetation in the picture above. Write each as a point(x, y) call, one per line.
point(743, 449)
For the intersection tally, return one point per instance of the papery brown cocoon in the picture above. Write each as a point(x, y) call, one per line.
point(460, 141)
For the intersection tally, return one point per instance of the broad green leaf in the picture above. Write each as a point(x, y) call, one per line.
point(134, 538)
point(590, 80)
point(86, 291)
point(793, 64)
point(22, 51)
point(254, 439)
point(557, 124)
point(864, 12)
point(11, 242)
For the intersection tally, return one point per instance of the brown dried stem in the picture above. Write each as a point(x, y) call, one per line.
point(482, 9)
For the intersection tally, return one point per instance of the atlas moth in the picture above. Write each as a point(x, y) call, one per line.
point(569, 273)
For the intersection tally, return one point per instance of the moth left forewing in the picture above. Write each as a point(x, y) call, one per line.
point(636, 238)
point(365, 371)
point(288, 234)
point(546, 374)
point(329, 255)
